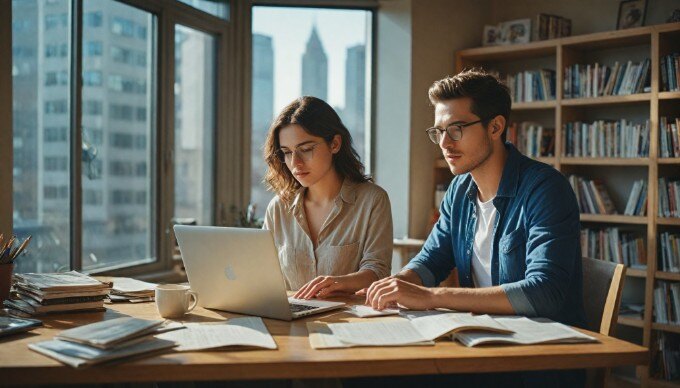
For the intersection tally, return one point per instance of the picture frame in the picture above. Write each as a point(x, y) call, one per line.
point(492, 36)
point(516, 31)
point(631, 14)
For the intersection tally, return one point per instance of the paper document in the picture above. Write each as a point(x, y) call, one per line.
point(526, 332)
point(362, 311)
point(129, 285)
point(247, 331)
point(321, 337)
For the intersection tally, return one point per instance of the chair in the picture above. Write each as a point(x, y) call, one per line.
point(602, 289)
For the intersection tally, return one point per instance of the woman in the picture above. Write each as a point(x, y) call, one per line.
point(331, 224)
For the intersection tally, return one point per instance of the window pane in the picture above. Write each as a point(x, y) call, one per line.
point(41, 135)
point(219, 8)
point(119, 108)
point(194, 124)
point(308, 51)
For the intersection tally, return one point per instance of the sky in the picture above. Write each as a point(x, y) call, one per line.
point(290, 29)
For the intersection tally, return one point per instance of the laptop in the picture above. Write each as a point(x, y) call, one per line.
point(238, 270)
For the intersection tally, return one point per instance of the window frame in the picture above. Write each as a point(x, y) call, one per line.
point(227, 175)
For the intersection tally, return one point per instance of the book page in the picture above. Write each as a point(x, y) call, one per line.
point(526, 331)
point(362, 311)
point(392, 332)
point(436, 325)
point(129, 285)
point(321, 337)
point(247, 331)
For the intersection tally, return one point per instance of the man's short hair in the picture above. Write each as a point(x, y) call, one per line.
point(490, 97)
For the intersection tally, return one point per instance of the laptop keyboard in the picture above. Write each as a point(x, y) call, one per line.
point(297, 308)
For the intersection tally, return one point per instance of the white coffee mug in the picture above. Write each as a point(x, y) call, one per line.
point(173, 300)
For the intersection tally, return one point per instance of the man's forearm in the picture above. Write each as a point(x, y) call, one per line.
point(410, 276)
point(488, 300)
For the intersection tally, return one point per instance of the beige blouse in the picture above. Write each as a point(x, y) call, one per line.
point(357, 235)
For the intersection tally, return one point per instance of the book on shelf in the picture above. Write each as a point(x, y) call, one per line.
point(669, 197)
point(614, 245)
point(606, 139)
point(669, 247)
point(596, 80)
point(637, 200)
point(592, 196)
point(669, 137)
point(532, 85)
point(666, 302)
point(632, 310)
point(532, 139)
point(548, 26)
point(35, 294)
point(670, 72)
point(666, 356)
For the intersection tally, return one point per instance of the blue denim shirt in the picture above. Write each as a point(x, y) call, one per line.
point(536, 254)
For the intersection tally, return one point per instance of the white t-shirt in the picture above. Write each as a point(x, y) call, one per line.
point(483, 245)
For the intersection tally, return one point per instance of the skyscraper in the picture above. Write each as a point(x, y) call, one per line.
point(315, 68)
point(354, 113)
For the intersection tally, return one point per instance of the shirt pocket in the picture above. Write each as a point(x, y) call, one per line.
point(337, 260)
point(512, 256)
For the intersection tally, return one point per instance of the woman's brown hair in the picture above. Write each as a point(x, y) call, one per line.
point(317, 118)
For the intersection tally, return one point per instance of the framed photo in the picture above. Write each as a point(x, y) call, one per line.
point(631, 14)
point(492, 36)
point(517, 31)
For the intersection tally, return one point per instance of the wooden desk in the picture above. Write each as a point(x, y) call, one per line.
point(294, 357)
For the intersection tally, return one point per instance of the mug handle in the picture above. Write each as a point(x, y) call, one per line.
point(194, 295)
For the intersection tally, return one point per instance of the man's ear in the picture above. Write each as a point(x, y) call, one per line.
point(497, 127)
point(336, 143)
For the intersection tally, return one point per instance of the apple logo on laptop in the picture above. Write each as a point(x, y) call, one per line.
point(229, 272)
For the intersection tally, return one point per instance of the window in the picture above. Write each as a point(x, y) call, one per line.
point(93, 49)
point(123, 218)
point(128, 56)
point(334, 64)
point(41, 207)
point(219, 8)
point(194, 124)
point(93, 197)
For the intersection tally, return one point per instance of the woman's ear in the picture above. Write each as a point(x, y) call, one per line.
point(336, 143)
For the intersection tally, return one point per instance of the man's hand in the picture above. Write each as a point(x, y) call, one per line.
point(393, 290)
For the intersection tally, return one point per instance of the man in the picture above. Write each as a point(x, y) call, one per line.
point(509, 224)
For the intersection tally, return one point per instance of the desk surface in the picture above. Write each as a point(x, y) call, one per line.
point(294, 357)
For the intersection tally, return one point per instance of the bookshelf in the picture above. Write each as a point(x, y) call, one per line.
point(636, 44)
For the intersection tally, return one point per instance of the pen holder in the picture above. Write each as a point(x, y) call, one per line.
point(6, 271)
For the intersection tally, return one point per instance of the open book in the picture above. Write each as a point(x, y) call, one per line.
point(416, 331)
point(526, 331)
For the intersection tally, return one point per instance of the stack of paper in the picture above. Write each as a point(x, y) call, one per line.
point(36, 294)
point(105, 341)
point(421, 330)
point(131, 290)
point(246, 331)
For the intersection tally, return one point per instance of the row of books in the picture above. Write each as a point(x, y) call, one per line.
point(531, 139)
point(669, 137)
point(599, 80)
point(36, 294)
point(527, 86)
point(606, 139)
point(550, 27)
point(670, 72)
point(637, 200)
point(667, 302)
point(592, 196)
point(669, 198)
point(666, 357)
point(614, 245)
point(669, 252)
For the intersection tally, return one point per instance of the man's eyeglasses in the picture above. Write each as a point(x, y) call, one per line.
point(454, 131)
point(304, 152)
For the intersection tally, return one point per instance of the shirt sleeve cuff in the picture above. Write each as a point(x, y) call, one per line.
point(426, 276)
point(518, 299)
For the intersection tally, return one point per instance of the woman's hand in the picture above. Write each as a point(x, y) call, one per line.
point(324, 286)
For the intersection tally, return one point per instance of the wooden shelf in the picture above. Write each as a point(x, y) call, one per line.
point(669, 95)
point(614, 219)
point(534, 105)
point(608, 100)
point(636, 273)
point(606, 161)
point(632, 322)
point(510, 52)
point(675, 276)
point(668, 221)
point(670, 328)
point(668, 160)
point(610, 39)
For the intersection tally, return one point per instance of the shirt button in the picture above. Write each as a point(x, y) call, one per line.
point(468, 252)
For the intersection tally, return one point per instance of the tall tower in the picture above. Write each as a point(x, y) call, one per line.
point(315, 68)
